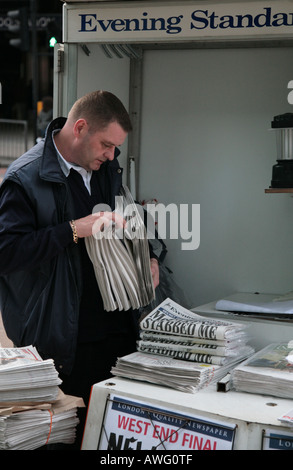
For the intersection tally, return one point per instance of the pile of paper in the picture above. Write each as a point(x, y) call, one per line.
point(181, 375)
point(31, 427)
point(26, 377)
point(182, 350)
point(172, 330)
point(267, 372)
point(121, 259)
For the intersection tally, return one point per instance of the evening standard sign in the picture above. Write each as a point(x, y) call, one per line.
point(136, 22)
point(130, 425)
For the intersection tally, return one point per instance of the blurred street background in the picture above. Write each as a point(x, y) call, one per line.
point(28, 32)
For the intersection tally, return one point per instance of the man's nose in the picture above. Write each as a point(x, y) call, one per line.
point(109, 154)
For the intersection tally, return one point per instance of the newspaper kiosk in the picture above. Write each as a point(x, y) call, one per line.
point(127, 415)
point(203, 81)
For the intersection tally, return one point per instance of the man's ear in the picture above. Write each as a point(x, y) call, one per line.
point(80, 127)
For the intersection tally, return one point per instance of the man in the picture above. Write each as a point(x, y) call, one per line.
point(48, 292)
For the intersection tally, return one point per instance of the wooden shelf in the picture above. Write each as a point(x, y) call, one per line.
point(278, 190)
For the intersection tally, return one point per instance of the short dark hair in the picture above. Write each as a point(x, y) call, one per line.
point(100, 108)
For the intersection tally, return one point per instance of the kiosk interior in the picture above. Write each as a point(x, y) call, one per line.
point(203, 81)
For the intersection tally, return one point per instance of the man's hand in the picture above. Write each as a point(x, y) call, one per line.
point(155, 272)
point(94, 223)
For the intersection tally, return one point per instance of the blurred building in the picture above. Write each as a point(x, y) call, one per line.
point(21, 87)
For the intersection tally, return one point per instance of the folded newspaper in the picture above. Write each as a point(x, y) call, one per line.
point(184, 376)
point(287, 418)
point(31, 427)
point(26, 378)
point(186, 340)
point(249, 303)
point(267, 372)
point(121, 259)
point(172, 330)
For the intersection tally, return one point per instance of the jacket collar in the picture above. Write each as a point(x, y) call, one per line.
point(49, 166)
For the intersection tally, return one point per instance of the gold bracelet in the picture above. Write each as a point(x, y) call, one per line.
point(74, 232)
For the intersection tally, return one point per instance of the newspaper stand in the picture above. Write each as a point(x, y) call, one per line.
point(95, 31)
point(81, 65)
point(251, 420)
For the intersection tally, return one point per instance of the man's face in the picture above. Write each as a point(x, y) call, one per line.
point(95, 148)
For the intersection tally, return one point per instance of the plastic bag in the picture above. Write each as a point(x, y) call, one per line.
point(166, 288)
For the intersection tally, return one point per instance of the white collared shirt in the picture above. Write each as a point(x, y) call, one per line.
point(66, 167)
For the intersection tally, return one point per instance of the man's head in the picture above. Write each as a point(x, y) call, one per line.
point(99, 109)
point(97, 123)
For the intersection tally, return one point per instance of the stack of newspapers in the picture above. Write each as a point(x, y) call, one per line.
point(183, 350)
point(25, 377)
point(287, 418)
point(33, 409)
point(31, 427)
point(268, 372)
point(121, 259)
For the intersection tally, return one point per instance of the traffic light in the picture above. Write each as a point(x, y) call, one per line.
point(52, 41)
point(19, 26)
point(54, 32)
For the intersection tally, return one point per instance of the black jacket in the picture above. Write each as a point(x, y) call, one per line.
point(40, 284)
